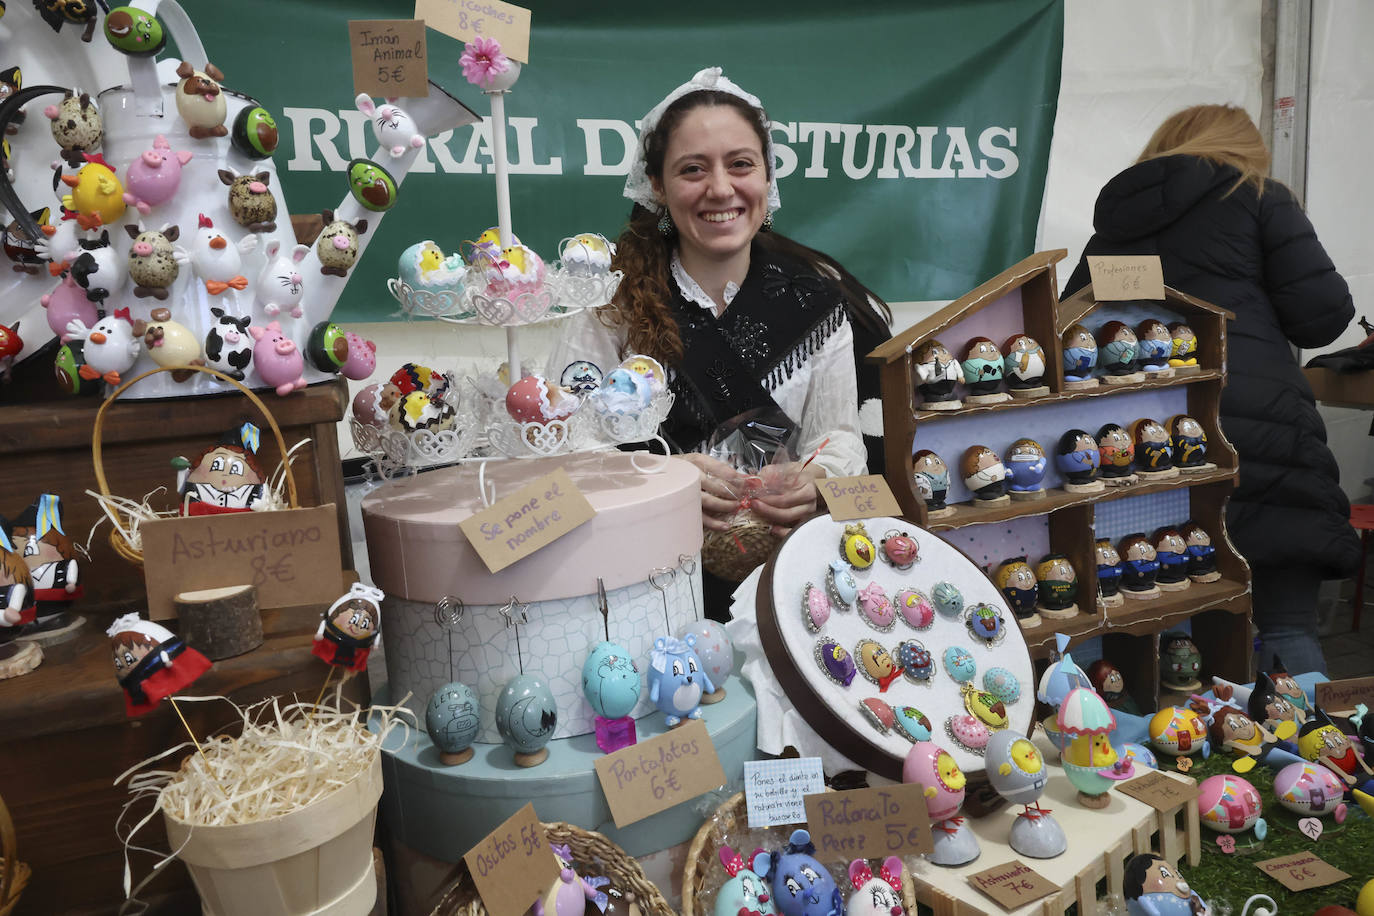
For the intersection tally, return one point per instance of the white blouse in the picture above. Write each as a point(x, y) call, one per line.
point(820, 396)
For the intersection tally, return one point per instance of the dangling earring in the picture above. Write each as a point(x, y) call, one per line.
point(767, 225)
point(665, 225)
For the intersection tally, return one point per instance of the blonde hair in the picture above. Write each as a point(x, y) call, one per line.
point(1222, 134)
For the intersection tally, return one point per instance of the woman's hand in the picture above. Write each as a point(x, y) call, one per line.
point(722, 487)
point(791, 495)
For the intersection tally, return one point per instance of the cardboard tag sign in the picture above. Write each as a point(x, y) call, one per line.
point(467, 19)
point(1013, 884)
point(641, 780)
point(531, 518)
point(291, 555)
point(1160, 791)
point(1340, 697)
point(869, 823)
point(774, 789)
point(1301, 871)
point(849, 498)
point(389, 57)
point(1122, 277)
point(513, 865)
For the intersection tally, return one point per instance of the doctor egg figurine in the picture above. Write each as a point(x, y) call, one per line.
point(1076, 457)
point(1116, 456)
point(931, 476)
point(1080, 357)
point(1027, 462)
point(1118, 350)
point(984, 474)
point(876, 895)
point(800, 884)
point(982, 367)
point(610, 682)
point(1153, 887)
point(943, 782)
point(526, 716)
point(677, 680)
point(1018, 773)
point(716, 654)
point(746, 893)
point(1017, 583)
point(1023, 367)
point(451, 720)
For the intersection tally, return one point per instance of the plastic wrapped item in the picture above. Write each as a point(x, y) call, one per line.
point(758, 444)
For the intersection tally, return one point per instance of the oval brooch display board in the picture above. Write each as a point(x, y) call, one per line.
point(971, 674)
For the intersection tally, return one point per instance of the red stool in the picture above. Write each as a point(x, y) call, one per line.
point(1362, 520)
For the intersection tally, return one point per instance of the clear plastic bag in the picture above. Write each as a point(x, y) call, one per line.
point(759, 445)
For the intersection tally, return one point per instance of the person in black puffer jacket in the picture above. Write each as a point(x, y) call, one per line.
point(1198, 197)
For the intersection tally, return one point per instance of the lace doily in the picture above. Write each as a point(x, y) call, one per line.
point(692, 291)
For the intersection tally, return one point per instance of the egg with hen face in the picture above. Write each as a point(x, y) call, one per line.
point(934, 768)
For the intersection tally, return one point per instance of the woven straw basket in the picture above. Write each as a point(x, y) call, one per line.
point(733, 553)
point(14, 875)
point(703, 873)
point(587, 846)
point(121, 544)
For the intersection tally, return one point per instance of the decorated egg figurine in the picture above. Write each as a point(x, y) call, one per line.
point(878, 714)
point(150, 662)
point(338, 244)
point(254, 133)
point(1057, 584)
point(200, 101)
point(985, 622)
point(943, 783)
point(876, 608)
point(1189, 444)
point(1027, 462)
point(1117, 349)
point(984, 474)
point(800, 884)
point(97, 196)
point(1018, 773)
point(519, 269)
point(899, 549)
point(915, 660)
point(1178, 732)
point(1139, 567)
point(372, 405)
point(1140, 755)
point(1269, 707)
point(1184, 356)
point(815, 608)
point(451, 718)
point(982, 367)
point(1323, 742)
point(840, 586)
point(856, 547)
point(1108, 681)
point(937, 372)
point(876, 664)
point(1116, 456)
point(913, 724)
point(716, 653)
point(1023, 367)
point(1153, 454)
point(172, 345)
point(647, 367)
point(931, 477)
point(326, 347)
point(622, 393)
point(1002, 684)
point(876, 895)
point(350, 628)
point(1180, 663)
point(526, 716)
point(959, 664)
point(587, 254)
point(1154, 887)
point(1227, 803)
point(1080, 357)
point(915, 608)
point(1093, 766)
point(1287, 686)
point(581, 377)
point(1310, 790)
point(1017, 583)
point(745, 892)
point(535, 400)
point(949, 601)
point(371, 185)
point(837, 663)
point(1153, 347)
point(1172, 552)
point(1108, 573)
point(1202, 556)
point(985, 707)
point(677, 681)
point(610, 680)
point(131, 31)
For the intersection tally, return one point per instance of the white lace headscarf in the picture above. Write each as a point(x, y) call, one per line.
point(639, 189)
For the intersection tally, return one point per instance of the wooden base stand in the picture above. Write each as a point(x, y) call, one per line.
point(456, 758)
point(220, 622)
point(1030, 621)
point(1197, 468)
point(985, 503)
point(1125, 480)
point(942, 405)
point(1187, 370)
point(1160, 373)
point(1096, 802)
point(946, 512)
point(1174, 586)
point(1147, 594)
point(1081, 384)
point(708, 699)
point(997, 397)
point(19, 658)
point(1022, 496)
point(1166, 474)
point(1093, 486)
point(1061, 614)
point(1206, 577)
point(1130, 378)
point(531, 760)
point(1111, 600)
point(1025, 394)
point(65, 630)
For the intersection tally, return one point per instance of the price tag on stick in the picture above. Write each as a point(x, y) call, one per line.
point(652, 776)
point(869, 823)
point(389, 57)
point(513, 866)
point(469, 19)
point(1123, 277)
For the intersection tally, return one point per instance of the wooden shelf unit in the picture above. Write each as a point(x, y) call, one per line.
point(1219, 610)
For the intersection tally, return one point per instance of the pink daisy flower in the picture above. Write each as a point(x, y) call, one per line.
point(483, 61)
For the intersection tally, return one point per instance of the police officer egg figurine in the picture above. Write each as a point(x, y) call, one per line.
point(1117, 350)
point(1139, 567)
point(1116, 456)
point(1172, 552)
point(937, 372)
point(984, 475)
point(982, 367)
point(1080, 357)
point(1202, 556)
point(1108, 574)
point(1017, 583)
point(1154, 346)
point(1189, 443)
point(1023, 367)
point(1058, 587)
point(1027, 465)
point(1076, 458)
point(931, 477)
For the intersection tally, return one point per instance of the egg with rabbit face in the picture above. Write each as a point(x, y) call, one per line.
point(714, 649)
point(526, 714)
point(610, 680)
point(451, 718)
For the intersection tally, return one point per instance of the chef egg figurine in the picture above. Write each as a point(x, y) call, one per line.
point(1080, 356)
point(1023, 367)
point(931, 476)
point(526, 716)
point(944, 783)
point(982, 366)
point(937, 372)
point(351, 628)
point(451, 720)
point(1117, 349)
point(610, 682)
point(1116, 456)
point(1027, 462)
point(984, 475)
point(1018, 773)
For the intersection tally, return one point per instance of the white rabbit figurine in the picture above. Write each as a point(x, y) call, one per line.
point(281, 285)
point(394, 128)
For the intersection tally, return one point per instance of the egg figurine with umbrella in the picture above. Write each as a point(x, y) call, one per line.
point(1019, 773)
point(943, 784)
point(1058, 681)
point(1228, 803)
point(1090, 761)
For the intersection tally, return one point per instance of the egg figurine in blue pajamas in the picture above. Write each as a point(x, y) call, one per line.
point(526, 716)
point(451, 720)
point(610, 682)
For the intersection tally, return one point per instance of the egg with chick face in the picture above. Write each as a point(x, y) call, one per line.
point(1015, 768)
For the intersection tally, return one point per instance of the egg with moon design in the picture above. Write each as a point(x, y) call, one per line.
point(451, 718)
point(526, 714)
point(610, 680)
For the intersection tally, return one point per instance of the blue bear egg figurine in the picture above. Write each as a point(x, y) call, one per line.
point(451, 718)
point(526, 716)
point(677, 679)
point(801, 885)
point(610, 680)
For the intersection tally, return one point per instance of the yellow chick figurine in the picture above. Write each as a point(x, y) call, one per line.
point(97, 197)
point(431, 258)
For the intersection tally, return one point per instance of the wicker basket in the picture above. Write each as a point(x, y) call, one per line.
point(118, 541)
point(587, 846)
point(14, 875)
point(734, 553)
point(703, 873)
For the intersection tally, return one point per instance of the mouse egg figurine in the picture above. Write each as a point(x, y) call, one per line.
point(745, 893)
point(1154, 457)
point(1023, 367)
point(1017, 583)
point(351, 628)
point(1154, 346)
point(1189, 443)
point(451, 718)
point(1027, 462)
point(200, 100)
point(931, 477)
point(982, 367)
point(677, 680)
point(1153, 887)
point(1080, 357)
point(937, 372)
point(800, 884)
point(1077, 459)
point(1139, 567)
point(610, 682)
point(943, 785)
point(984, 475)
point(151, 662)
point(526, 716)
point(1116, 456)
point(1117, 349)
point(395, 129)
point(876, 895)
point(1183, 358)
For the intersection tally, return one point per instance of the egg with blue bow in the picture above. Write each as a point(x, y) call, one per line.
point(526, 715)
point(610, 680)
point(451, 718)
point(840, 585)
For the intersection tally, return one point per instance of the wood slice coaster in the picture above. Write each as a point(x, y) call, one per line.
point(942, 405)
point(1095, 486)
point(1152, 592)
point(19, 658)
point(1207, 577)
point(1165, 474)
point(1024, 394)
point(1062, 614)
point(1123, 481)
point(1026, 495)
point(1082, 385)
point(1129, 378)
point(1111, 600)
point(65, 630)
point(1174, 586)
point(997, 397)
point(220, 622)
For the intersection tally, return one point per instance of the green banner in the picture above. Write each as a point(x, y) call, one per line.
point(912, 138)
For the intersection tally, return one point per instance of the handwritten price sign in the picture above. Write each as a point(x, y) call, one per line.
point(513, 866)
point(1160, 791)
point(531, 518)
point(1123, 277)
point(848, 498)
point(652, 776)
point(869, 823)
point(389, 57)
point(469, 19)
point(1301, 871)
point(1013, 884)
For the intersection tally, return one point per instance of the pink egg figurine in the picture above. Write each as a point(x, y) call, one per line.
point(1229, 804)
point(876, 607)
point(943, 782)
point(716, 653)
point(68, 303)
point(899, 549)
point(517, 270)
point(1310, 790)
point(372, 405)
point(277, 358)
point(915, 608)
point(361, 361)
point(153, 178)
point(534, 400)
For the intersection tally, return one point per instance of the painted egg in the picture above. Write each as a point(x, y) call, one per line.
point(648, 367)
point(969, 733)
point(624, 392)
point(486, 248)
point(715, 651)
point(421, 410)
point(857, 547)
point(912, 724)
point(840, 585)
point(915, 608)
point(815, 608)
point(959, 664)
point(987, 708)
point(526, 714)
point(326, 348)
point(372, 404)
point(134, 32)
point(516, 269)
point(451, 718)
point(1310, 790)
point(985, 622)
point(876, 663)
point(610, 680)
point(876, 607)
point(1015, 768)
point(254, 133)
point(67, 367)
point(1140, 755)
point(1002, 684)
point(949, 601)
point(879, 714)
point(371, 185)
point(1178, 732)
point(934, 767)
point(581, 377)
point(534, 400)
point(900, 549)
point(1229, 804)
point(837, 664)
point(916, 660)
point(586, 254)
point(415, 377)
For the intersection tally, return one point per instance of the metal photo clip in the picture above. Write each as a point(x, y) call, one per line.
point(688, 564)
point(660, 577)
point(605, 608)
